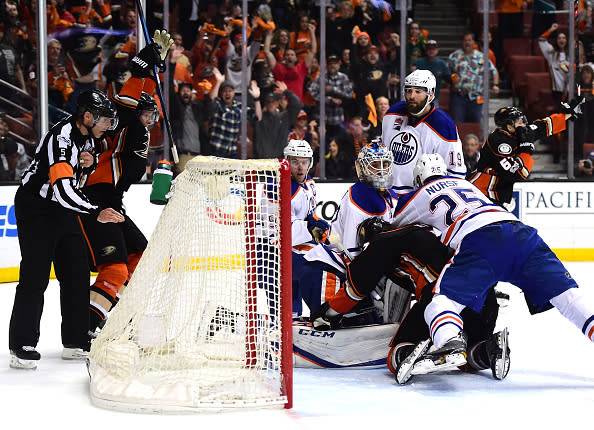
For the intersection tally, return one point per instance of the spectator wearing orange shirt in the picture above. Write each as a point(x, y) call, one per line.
point(303, 40)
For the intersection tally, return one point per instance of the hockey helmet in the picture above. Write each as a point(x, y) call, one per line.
point(299, 148)
point(369, 228)
point(508, 115)
point(427, 166)
point(424, 79)
point(374, 165)
point(148, 103)
point(99, 105)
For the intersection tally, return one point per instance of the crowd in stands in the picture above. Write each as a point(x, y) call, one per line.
point(90, 43)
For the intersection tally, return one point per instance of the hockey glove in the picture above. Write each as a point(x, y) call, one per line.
point(321, 320)
point(527, 147)
point(526, 134)
point(165, 41)
point(144, 62)
point(573, 108)
point(318, 228)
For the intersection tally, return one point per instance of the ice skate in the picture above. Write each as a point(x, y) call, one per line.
point(398, 354)
point(25, 357)
point(451, 355)
point(498, 350)
point(405, 368)
point(73, 352)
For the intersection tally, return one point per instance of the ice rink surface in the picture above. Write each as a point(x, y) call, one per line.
point(550, 385)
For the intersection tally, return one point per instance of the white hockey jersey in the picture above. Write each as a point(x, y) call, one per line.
point(303, 204)
point(360, 202)
point(452, 205)
point(409, 137)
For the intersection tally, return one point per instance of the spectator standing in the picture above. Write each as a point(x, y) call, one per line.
point(293, 72)
point(280, 43)
point(471, 150)
point(301, 39)
point(556, 52)
point(466, 100)
point(416, 45)
point(272, 126)
point(371, 76)
point(226, 120)
point(436, 65)
point(338, 90)
point(188, 120)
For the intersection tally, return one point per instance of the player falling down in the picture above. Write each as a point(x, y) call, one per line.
point(490, 245)
point(412, 257)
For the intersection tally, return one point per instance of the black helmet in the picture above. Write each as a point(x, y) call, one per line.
point(98, 104)
point(147, 102)
point(508, 115)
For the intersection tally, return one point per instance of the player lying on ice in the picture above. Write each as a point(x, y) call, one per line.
point(490, 245)
point(411, 257)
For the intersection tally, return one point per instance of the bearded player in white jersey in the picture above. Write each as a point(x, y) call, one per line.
point(415, 127)
point(490, 245)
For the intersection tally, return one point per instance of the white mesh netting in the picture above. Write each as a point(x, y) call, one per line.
point(199, 325)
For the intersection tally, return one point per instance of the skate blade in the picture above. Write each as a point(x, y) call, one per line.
point(502, 363)
point(426, 366)
point(18, 363)
point(74, 354)
point(404, 369)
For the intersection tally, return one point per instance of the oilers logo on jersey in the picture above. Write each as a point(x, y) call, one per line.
point(404, 146)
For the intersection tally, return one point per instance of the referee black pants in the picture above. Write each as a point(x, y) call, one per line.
point(49, 233)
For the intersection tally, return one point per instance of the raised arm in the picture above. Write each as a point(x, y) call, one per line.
point(269, 55)
point(314, 45)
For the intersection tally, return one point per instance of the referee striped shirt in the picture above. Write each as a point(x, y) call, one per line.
point(55, 171)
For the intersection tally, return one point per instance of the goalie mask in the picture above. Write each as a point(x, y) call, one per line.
point(99, 105)
point(422, 79)
point(299, 148)
point(428, 166)
point(374, 165)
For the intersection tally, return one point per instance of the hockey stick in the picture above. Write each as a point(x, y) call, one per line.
point(149, 40)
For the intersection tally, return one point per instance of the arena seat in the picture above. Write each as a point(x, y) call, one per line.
point(519, 65)
point(444, 99)
point(465, 128)
point(588, 146)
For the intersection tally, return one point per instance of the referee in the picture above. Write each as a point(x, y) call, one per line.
point(46, 206)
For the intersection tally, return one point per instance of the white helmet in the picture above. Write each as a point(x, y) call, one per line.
point(424, 79)
point(299, 148)
point(379, 177)
point(427, 166)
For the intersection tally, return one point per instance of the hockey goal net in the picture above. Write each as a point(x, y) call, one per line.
point(205, 322)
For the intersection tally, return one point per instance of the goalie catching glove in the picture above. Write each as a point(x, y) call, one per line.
point(318, 228)
point(152, 55)
point(573, 108)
